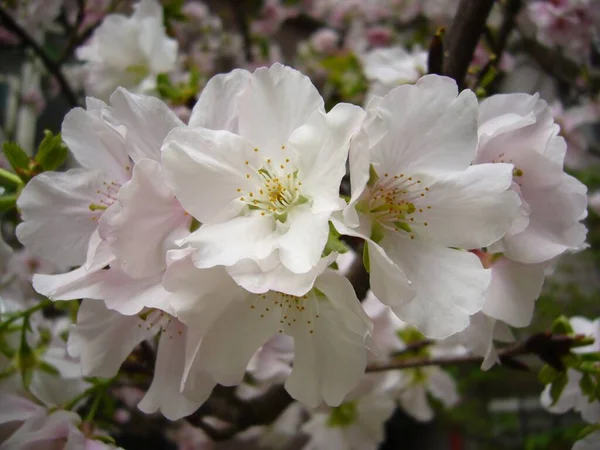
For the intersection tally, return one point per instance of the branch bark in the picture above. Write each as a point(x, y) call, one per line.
point(50, 65)
point(463, 36)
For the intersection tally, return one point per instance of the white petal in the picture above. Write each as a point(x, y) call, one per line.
point(148, 224)
point(96, 144)
point(245, 237)
point(414, 401)
point(273, 104)
point(449, 284)
point(330, 362)
point(590, 442)
point(164, 393)
point(57, 219)
point(301, 246)
point(148, 121)
point(442, 386)
point(217, 108)
point(234, 337)
point(468, 210)
point(320, 149)
point(102, 338)
point(249, 275)
point(205, 169)
point(513, 291)
point(16, 408)
point(429, 128)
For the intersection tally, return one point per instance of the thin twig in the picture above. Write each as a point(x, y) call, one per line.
point(463, 36)
point(50, 65)
point(239, 15)
point(509, 22)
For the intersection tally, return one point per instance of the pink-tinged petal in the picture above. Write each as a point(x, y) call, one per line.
point(319, 149)
point(164, 393)
point(450, 285)
point(557, 203)
point(472, 209)
point(148, 121)
point(45, 430)
point(218, 105)
point(96, 143)
point(207, 170)
point(244, 237)
point(149, 223)
point(330, 356)
point(513, 291)
point(430, 128)
point(103, 338)
point(58, 220)
point(254, 278)
point(275, 102)
point(14, 408)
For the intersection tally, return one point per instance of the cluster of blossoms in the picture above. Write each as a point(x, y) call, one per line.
point(216, 235)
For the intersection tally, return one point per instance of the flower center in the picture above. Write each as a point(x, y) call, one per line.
point(107, 195)
point(277, 188)
point(293, 311)
point(395, 202)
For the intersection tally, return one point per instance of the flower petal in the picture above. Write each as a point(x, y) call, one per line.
point(513, 291)
point(218, 105)
point(57, 219)
point(164, 392)
point(148, 121)
point(450, 285)
point(102, 338)
point(275, 102)
point(205, 169)
point(429, 128)
point(148, 224)
point(472, 209)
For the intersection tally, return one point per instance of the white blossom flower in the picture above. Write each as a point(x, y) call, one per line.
point(260, 167)
point(590, 442)
point(386, 68)
point(519, 129)
point(418, 203)
point(353, 425)
point(227, 325)
point(128, 51)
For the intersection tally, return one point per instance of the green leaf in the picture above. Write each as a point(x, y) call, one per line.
point(588, 430)
point(548, 374)
point(8, 202)
point(561, 325)
point(588, 387)
point(334, 243)
point(48, 368)
point(343, 415)
point(366, 261)
point(26, 359)
point(52, 152)
point(558, 386)
point(18, 159)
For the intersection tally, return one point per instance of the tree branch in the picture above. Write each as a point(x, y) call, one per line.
point(50, 65)
point(463, 36)
point(239, 15)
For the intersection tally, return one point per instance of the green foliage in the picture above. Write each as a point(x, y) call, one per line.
point(179, 93)
point(18, 159)
point(343, 415)
point(334, 243)
point(52, 152)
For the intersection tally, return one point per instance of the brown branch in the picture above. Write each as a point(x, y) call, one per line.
point(50, 65)
point(548, 347)
point(463, 36)
point(511, 11)
point(239, 11)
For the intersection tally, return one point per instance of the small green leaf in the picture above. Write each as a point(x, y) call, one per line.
point(548, 374)
point(52, 152)
point(48, 368)
point(558, 386)
point(18, 159)
point(588, 387)
point(366, 261)
point(334, 243)
point(343, 415)
point(561, 325)
point(588, 430)
point(9, 180)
